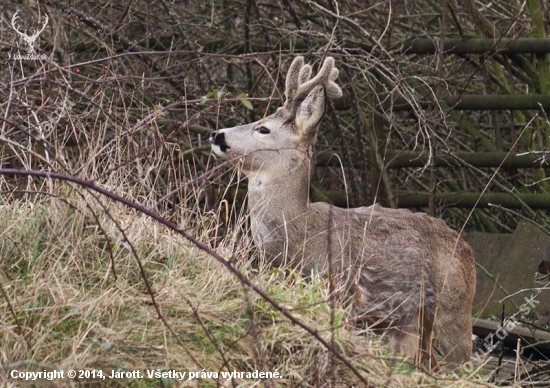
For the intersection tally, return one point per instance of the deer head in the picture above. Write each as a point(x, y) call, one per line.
point(280, 141)
point(29, 39)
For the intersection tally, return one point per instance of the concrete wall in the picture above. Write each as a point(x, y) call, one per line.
point(512, 261)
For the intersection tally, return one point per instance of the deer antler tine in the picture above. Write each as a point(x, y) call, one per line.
point(292, 77)
point(305, 73)
point(334, 74)
point(333, 90)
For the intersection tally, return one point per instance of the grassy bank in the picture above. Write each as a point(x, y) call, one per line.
point(74, 298)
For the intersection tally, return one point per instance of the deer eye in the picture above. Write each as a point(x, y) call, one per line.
point(264, 130)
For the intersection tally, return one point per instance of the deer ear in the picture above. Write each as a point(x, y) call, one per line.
point(311, 111)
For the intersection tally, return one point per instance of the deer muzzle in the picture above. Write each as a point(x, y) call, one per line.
point(218, 142)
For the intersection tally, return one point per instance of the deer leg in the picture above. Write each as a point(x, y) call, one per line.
point(415, 339)
point(455, 335)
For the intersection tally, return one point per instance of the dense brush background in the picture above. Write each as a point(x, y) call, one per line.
point(126, 99)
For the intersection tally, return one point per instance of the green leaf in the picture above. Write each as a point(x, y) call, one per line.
point(94, 341)
point(246, 103)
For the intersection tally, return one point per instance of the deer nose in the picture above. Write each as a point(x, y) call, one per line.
point(218, 138)
point(212, 136)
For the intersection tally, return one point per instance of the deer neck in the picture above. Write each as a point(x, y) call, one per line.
point(284, 195)
point(278, 204)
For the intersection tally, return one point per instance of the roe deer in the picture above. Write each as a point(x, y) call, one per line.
point(408, 273)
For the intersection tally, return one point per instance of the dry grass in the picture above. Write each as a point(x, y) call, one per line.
point(57, 276)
